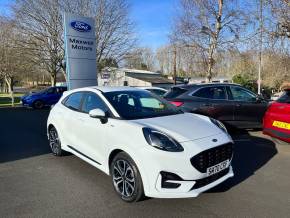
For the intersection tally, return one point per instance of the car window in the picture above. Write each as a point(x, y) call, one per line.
point(151, 103)
point(74, 101)
point(50, 91)
point(157, 91)
point(175, 92)
point(240, 94)
point(217, 93)
point(93, 101)
point(60, 90)
point(140, 104)
point(285, 97)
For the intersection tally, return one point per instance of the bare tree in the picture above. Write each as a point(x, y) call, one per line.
point(280, 11)
point(40, 23)
point(114, 29)
point(13, 61)
point(208, 25)
point(186, 60)
point(141, 58)
point(41, 26)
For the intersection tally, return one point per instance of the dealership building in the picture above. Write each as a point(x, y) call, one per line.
point(132, 77)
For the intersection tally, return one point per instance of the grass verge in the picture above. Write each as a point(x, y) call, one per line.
point(5, 99)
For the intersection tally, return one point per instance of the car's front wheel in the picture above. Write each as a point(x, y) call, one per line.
point(54, 142)
point(38, 104)
point(126, 178)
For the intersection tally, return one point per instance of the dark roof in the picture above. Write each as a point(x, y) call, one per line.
point(155, 79)
point(190, 86)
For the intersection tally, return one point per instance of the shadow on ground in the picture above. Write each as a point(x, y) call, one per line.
point(22, 133)
point(250, 154)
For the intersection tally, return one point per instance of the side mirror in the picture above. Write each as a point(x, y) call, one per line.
point(98, 113)
point(259, 98)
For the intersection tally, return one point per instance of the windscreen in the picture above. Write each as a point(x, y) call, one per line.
point(285, 97)
point(175, 92)
point(139, 105)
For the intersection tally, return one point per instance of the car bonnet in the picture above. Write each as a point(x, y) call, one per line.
point(182, 127)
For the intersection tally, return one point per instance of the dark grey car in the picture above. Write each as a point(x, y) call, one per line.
point(232, 104)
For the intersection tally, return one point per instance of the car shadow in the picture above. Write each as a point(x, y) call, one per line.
point(250, 154)
point(23, 133)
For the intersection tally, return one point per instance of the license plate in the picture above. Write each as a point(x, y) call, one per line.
point(217, 168)
point(281, 125)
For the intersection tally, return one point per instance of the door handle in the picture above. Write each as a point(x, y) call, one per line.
point(238, 105)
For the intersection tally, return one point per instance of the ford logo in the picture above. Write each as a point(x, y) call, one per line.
point(80, 26)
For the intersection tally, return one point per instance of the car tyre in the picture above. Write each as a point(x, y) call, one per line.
point(126, 178)
point(38, 104)
point(54, 142)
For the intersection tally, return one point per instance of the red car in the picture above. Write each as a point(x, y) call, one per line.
point(276, 122)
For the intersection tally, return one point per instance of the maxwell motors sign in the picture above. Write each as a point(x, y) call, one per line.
point(80, 51)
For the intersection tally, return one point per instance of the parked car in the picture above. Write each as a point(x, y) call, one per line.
point(46, 97)
point(155, 151)
point(277, 118)
point(156, 90)
point(232, 104)
point(275, 96)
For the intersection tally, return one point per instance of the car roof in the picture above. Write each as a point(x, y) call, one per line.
point(149, 87)
point(198, 85)
point(107, 88)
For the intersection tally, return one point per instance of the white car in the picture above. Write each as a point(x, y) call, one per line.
point(148, 146)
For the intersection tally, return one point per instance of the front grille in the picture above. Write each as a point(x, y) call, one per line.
point(212, 156)
point(205, 181)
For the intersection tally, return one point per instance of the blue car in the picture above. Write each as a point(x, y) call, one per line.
point(46, 97)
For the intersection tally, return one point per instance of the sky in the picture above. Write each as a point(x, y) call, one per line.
point(153, 19)
point(4, 7)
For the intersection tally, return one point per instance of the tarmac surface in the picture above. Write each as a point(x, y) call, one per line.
point(34, 183)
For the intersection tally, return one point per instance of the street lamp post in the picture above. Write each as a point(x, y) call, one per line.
point(260, 47)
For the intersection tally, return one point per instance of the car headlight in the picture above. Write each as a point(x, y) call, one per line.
point(219, 124)
point(161, 141)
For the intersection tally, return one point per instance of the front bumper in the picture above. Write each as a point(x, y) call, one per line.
point(179, 163)
point(185, 189)
point(26, 103)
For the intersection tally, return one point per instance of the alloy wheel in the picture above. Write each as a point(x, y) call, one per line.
point(54, 141)
point(124, 178)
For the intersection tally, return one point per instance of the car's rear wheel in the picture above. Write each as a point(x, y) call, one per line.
point(38, 104)
point(126, 178)
point(54, 142)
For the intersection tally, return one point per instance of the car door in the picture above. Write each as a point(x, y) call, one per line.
point(93, 132)
point(281, 108)
point(249, 109)
point(213, 102)
point(72, 124)
point(52, 95)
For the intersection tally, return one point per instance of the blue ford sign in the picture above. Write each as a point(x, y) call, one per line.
point(80, 26)
point(80, 51)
